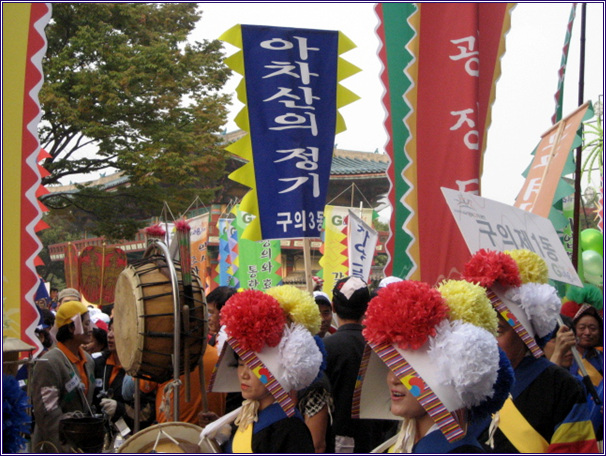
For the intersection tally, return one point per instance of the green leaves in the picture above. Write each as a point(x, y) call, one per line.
point(125, 91)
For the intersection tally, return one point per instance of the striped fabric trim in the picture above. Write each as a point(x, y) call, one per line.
point(357, 395)
point(423, 393)
point(515, 323)
point(261, 371)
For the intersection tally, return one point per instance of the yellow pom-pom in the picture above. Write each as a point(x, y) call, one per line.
point(468, 302)
point(299, 306)
point(532, 267)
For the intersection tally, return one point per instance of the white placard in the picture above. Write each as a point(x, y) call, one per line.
point(488, 224)
point(361, 242)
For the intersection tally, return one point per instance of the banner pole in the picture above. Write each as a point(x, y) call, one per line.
point(579, 152)
point(307, 260)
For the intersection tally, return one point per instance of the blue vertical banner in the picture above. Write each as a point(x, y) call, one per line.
point(291, 92)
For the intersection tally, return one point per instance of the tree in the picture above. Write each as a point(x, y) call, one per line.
point(124, 90)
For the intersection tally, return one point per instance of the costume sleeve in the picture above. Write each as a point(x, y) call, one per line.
point(47, 390)
point(575, 434)
point(289, 435)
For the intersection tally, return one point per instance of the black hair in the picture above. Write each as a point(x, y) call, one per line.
point(220, 295)
point(100, 335)
point(47, 317)
point(354, 307)
point(65, 332)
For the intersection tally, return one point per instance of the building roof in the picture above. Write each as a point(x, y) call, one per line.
point(345, 164)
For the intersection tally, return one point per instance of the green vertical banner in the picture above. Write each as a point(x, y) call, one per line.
point(559, 95)
point(260, 262)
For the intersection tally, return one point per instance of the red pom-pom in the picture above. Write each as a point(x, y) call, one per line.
point(182, 226)
point(155, 231)
point(486, 267)
point(404, 313)
point(254, 319)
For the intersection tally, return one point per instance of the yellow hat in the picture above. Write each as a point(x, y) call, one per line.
point(67, 310)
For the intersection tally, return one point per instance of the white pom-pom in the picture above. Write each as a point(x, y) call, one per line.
point(300, 357)
point(541, 304)
point(469, 357)
point(221, 339)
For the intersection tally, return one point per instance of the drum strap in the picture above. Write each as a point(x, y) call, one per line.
point(243, 440)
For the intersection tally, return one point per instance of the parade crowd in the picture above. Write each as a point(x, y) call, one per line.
point(496, 362)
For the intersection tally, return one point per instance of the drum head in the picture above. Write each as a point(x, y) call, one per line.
point(161, 437)
point(127, 326)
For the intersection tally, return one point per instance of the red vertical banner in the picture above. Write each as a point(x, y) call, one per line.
point(70, 265)
point(23, 46)
point(99, 268)
point(441, 64)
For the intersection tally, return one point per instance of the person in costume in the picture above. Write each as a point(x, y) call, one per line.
point(344, 351)
point(315, 401)
point(432, 361)
point(63, 381)
point(266, 352)
point(115, 389)
point(588, 327)
point(558, 347)
point(547, 411)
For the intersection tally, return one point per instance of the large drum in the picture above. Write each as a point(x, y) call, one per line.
point(172, 437)
point(144, 320)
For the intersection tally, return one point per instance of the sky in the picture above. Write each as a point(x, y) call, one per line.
point(524, 95)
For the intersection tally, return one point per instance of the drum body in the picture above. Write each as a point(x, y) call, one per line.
point(144, 320)
point(84, 435)
point(160, 436)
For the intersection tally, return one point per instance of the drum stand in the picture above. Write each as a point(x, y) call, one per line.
point(157, 246)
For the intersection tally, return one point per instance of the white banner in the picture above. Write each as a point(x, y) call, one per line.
point(361, 244)
point(490, 225)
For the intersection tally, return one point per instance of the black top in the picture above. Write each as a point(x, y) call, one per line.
point(545, 403)
point(344, 349)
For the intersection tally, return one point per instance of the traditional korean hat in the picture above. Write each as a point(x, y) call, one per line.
point(447, 363)
point(516, 284)
point(275, 343)
point(387, 280)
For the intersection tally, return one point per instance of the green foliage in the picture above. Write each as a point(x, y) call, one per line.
point(593, 144)
point(125, 91)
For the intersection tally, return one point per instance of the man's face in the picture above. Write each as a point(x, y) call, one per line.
point(213, 318)
point(510, 342)
point(326, 315)
point(588, 332)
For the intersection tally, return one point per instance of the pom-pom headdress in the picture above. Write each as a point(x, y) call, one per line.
point(299, 306)
point(280, 352)
point(576, 297)
point(447, 365)
point(523, 299)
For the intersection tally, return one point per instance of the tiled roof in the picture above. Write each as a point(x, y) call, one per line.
point(344, 162)
point(349, 162)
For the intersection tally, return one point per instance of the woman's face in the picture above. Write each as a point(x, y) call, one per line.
point(87, 330)
point(111, 341)
point(251, 386)
point(588, 332)
point(403, 403)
